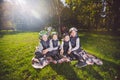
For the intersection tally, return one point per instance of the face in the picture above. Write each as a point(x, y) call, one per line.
point(45, 37)
point(55, 37)
point(67, 38)
point(73, 33)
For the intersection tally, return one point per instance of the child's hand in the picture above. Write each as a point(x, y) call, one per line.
point(69, 51)
point(37, 48)
point(45, 51)
point(61, 52)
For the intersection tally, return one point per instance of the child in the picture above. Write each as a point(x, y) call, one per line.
point(66, 47)
point(43, 50)
point(75, 42)
point(54, 45)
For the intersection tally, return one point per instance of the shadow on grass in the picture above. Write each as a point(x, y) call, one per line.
point(112, 68)
point(92, 72)
point(5, 70)
point(107, 71)
point(66, 70)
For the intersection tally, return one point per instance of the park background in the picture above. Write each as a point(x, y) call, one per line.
point(98, 24)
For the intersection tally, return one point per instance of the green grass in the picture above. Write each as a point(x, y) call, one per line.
point(17, 50)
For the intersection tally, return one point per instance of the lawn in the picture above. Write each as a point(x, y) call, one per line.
point(17, 50)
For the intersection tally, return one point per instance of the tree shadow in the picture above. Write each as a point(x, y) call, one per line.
point(112, 68)
point(66, 70)
point(109, 70)
point(90, 70)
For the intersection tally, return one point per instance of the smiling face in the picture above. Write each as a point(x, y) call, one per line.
point(45, 37)
point(67, 38)
point(54, 37)
point(73, 33)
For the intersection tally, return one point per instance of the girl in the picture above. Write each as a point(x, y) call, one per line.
point(75, 42)
point(43, 50)
point(66, 46)
point(65, 51)
point(54, 45)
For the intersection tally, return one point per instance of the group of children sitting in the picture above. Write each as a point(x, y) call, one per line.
point(68, 50)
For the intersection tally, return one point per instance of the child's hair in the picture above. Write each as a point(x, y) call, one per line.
point(53, 33)
point(65, 34)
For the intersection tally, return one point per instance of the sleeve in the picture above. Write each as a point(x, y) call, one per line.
point(61, 46)
point(77, 44)
point(40, 47)
point(51, 47)
point(58, 43)
point(70, 46)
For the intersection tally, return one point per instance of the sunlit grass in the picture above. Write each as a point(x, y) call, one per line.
point(17, 50)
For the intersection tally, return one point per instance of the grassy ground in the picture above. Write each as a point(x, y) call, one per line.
point(17, 50)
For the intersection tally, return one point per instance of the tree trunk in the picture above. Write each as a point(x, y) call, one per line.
point(59, 26)
point(116, 12)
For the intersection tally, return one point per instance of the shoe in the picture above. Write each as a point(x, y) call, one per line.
point(97, 61)
point(41, 60)
point(54, 62)
point(68, 60)
point(60, 61)
point(81, 64)
point(35, 60)
point(89, 61)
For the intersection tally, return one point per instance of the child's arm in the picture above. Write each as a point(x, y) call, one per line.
point(51, 46)
point(39, 48)
point(61, 48)
point(70, 48)
point(77, 45)
point(48, 49)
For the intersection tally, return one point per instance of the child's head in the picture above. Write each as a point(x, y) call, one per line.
point(54, 36)
point(73, 32)
point(45, 37)
point(66, 37)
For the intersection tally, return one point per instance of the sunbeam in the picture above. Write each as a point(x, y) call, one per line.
point(27, 13)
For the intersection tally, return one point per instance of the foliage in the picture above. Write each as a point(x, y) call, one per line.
point(88, 14)
point(84, 14)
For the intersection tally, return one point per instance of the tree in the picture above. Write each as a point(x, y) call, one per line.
point(116, 13)
point(88, 13)
point(5, 16)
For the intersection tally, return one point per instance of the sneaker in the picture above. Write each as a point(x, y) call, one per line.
point(41, 60)
point(68, 60)
point(89, 61)
point(54, 62)
point(81, 64)
point(61, 61)
point(97, 61)
point(34, 60)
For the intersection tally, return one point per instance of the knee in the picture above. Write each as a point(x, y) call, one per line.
point(37, 53)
